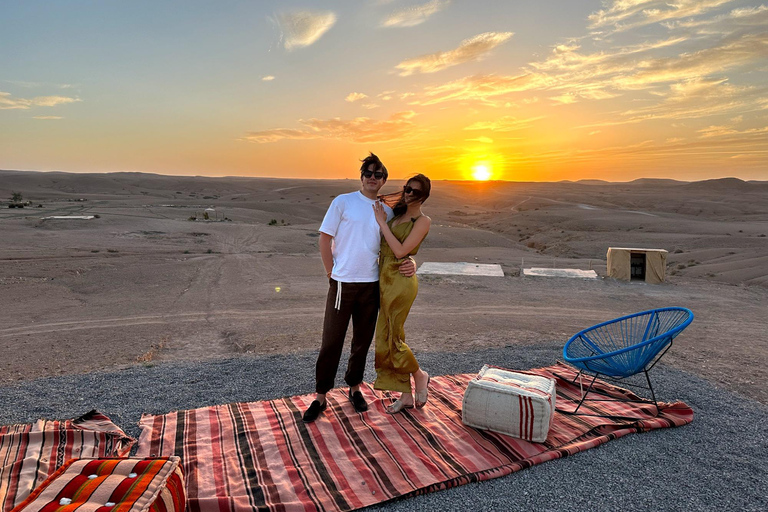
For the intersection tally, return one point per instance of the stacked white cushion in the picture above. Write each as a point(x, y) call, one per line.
point(516, 404)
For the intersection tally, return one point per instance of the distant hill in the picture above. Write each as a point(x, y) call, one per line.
point(724, 185)
point(658, 181)
point(592, 182)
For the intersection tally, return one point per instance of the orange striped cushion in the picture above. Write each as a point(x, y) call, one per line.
point(111, 485)
point(29, 453)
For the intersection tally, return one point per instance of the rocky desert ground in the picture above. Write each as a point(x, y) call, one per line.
point(141, 282)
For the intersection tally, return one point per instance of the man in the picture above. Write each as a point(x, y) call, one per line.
point(349, 247)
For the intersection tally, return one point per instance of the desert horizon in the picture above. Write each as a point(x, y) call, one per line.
point(584, 181)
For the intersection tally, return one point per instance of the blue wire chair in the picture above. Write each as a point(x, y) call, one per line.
point(626, 346)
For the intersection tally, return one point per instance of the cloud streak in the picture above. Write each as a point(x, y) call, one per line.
point(482, 88)
point(359, 129)
point(504, 124)
point(8, 102)
point(470, 49)
point(624, 15)
point(355, 96)
point(304, 28)
point(414, 15)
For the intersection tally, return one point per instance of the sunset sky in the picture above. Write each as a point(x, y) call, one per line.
point(456, 89)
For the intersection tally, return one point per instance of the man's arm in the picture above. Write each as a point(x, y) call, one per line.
point(326, 253)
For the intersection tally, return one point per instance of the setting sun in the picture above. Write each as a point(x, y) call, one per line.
point(481, 173)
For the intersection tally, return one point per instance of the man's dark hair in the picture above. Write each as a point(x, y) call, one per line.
point(373, 159)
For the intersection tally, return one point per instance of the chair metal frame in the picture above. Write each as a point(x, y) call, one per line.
point(624, 347)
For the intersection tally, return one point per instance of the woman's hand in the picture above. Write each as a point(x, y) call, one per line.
point(380, 213)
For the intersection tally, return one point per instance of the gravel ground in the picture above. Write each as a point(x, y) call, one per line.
point(715, 463)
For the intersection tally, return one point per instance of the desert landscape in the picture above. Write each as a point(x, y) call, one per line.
point(149, 279)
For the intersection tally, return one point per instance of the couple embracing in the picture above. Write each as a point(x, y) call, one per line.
point(366, 241)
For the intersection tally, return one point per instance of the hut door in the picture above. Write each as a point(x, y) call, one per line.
point(637, 266)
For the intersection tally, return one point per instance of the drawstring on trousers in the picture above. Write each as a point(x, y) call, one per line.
point(338, 296)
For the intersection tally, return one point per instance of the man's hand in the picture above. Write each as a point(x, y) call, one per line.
point(408, 267)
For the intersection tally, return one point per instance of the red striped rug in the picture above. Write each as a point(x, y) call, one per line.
point(260, 455)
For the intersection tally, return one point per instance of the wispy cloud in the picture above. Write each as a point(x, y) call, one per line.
point(482, 88)
point(725, 23)
point(469, 49)
point(742, 51)
point(682, 74)
point(304, 28)
point(265, 136)
point(694, 99)
point(32, 85)
point(414, 15)
point(267, 78)
point(621, 15)
point(503, 124)
point(359, 129)
point(483, 140)
point(700, 97)
point(9, 102)
point(355, 96)
point(47, 117)
point(726, 42)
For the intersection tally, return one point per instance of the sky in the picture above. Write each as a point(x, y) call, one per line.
point(455, 89)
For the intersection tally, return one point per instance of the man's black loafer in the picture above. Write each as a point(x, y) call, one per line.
point(315, 408)
point(358, 401)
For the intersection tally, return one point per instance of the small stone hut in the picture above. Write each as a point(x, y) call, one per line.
point(631, 264)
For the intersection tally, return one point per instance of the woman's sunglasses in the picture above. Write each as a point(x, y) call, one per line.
point(415, 191)
point(378, 174)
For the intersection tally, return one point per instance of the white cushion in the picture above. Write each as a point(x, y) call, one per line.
point(516, 404)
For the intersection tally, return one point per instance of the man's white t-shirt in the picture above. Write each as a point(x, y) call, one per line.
point(356, 238)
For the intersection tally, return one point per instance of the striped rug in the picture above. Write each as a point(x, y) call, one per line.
point(261, 456)
point(31, 452)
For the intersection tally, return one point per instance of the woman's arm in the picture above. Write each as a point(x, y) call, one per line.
point(401, 250)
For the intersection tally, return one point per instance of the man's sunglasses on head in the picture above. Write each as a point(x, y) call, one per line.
point(376, 174)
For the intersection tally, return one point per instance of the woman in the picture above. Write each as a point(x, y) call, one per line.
point(401, 238)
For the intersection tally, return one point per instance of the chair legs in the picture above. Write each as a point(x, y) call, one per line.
point(583, 394)
point(590, 389)
point(653, 395)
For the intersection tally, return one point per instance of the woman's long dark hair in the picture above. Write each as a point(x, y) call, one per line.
point(396, 200)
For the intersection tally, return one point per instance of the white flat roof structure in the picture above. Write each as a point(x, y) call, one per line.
point(461, 268)
point(560, 272)
point(67, 217)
